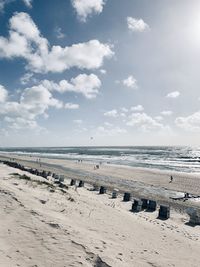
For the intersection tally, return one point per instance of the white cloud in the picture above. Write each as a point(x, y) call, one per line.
point(21, 123)
point(37, 99)
point(144, 122)
point(112, 113)
point(25, 41)
point(3, 3)
point(158, 118)
point(108, 124)
point(166, 112)
point(124, 110)
point(59, 33)
point(78, 121)
point(189, 123)
point(174, 94)
point(130, 82)
point(33, 102)
point(108, 131)
point(3, 94)
point(85, 8)
point(103, 71)
point(28, 3)
point(71, 106)
point(137, 25)
point(87, 85)
point(27, 77)
point(137, 108)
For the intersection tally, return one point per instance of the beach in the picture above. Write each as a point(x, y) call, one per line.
point(99, 133)
point(140, 181)
point(43, 225)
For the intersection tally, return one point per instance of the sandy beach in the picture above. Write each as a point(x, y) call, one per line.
point(99, 133)
point(141, 182)
point(43, 225)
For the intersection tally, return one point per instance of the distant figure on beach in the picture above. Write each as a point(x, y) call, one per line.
point(171, 179)
point(186, 195)
point(76, 188)
point(96, 167)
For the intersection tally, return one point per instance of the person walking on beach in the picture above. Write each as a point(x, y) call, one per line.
point(171, 179)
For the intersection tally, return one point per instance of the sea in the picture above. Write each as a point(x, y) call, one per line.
point(182, 159)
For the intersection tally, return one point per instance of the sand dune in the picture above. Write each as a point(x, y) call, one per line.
point(43, 227)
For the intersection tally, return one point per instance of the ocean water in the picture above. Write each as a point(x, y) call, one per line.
point(184, 159)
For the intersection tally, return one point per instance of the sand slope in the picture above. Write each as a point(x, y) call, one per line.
point(43, 228)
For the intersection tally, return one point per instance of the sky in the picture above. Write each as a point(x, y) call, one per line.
point(99, 72)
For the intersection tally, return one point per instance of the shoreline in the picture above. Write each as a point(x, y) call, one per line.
point(86, 160)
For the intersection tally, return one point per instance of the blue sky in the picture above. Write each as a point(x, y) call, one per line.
point(122, 72)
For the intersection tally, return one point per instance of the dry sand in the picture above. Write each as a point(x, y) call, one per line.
point(81, 228)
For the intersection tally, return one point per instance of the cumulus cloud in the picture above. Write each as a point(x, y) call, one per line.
point(3, 94)
point(137, 108)
point(21, 123)
point(112, 113)
point(25, 41)
point(27, 78)
point(137, 25)
point(122, 114)
point(189, 123)
point(85, 8)
point(33, 102)
point(87, 85)
point(71, 106)
point(166, 112)
point(144, 122)
point(38, 99)
point(174, 94)
point(130, 82)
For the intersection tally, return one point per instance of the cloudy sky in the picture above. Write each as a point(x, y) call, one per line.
point(99, 72)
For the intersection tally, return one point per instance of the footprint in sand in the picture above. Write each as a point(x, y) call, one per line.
point(8, 256)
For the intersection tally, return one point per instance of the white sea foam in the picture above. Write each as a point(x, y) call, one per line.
point(185, 159)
